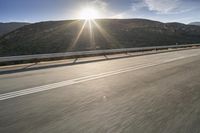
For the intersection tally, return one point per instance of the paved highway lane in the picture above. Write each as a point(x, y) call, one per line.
point(23, 80)
point(153, 94)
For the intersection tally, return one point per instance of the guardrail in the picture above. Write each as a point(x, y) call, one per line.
point(39, 57)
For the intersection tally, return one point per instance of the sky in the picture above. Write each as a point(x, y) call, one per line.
point(184, 11)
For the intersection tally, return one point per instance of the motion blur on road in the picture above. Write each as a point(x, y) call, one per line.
point(156, 93)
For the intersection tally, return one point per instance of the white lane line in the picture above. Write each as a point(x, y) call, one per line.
point(182, 57)
point(179, 58)
point(62, 84)
point(19, 93)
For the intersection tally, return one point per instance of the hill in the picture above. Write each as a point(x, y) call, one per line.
point(62, 36)
point(195, 23)
point(8, 27)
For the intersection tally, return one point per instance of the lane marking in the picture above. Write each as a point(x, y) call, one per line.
point(33, 90)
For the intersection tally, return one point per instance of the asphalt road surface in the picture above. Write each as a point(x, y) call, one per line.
point(148, 94)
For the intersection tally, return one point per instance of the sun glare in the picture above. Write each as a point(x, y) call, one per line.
point(89, 13)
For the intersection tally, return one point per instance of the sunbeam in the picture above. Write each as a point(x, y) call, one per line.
point(89, 13)
point(78, 36)
point(111, 41)
point(90, 27)
point(92, 39)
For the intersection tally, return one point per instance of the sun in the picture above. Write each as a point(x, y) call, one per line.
point(89, 13)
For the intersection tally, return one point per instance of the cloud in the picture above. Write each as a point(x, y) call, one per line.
point(164, 6)
point(100, 4)
point(137, 5)
point(120, 15)
point(106, 10)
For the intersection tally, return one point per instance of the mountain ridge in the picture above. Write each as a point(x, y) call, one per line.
point(61, 36)
point(195, 23)
point(10, 26)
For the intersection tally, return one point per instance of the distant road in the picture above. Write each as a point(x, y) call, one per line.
point(147, 94)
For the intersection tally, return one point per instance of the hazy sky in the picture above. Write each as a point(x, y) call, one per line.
point(184, 11)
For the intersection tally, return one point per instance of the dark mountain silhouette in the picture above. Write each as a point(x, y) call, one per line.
point(62, 36)
point(8, 27)
point(195, 23)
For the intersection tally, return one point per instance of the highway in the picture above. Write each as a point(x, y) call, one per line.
point(158, 93)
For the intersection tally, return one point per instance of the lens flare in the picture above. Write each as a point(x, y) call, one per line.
point(89, 13)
